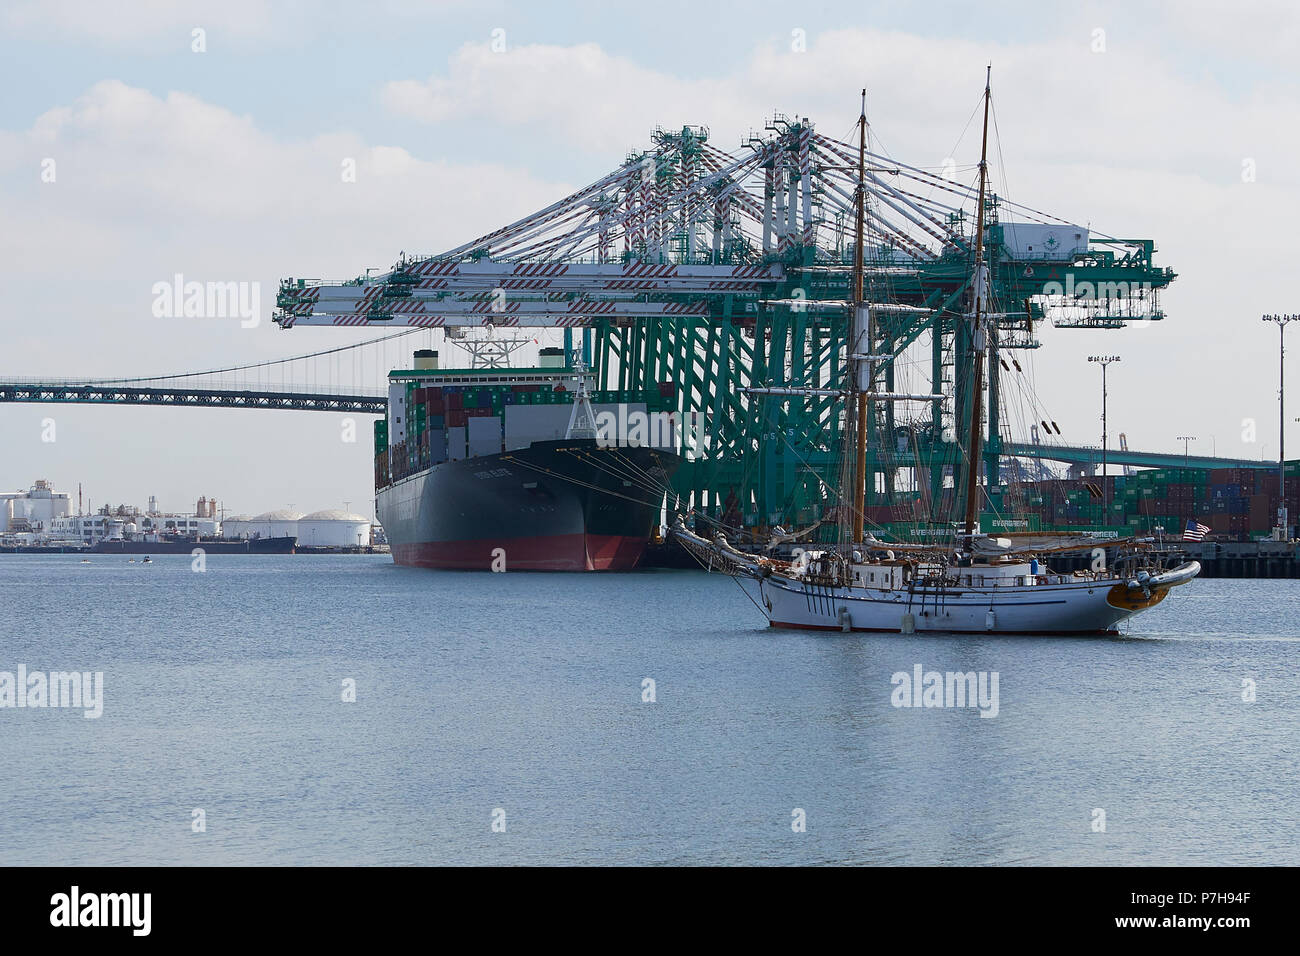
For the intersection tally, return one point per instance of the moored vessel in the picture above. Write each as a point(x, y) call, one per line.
point(980, 583)
point(519, 469)
point(185, 544)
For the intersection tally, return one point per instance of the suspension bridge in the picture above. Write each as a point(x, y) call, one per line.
point(347, 378)
point(190, 396)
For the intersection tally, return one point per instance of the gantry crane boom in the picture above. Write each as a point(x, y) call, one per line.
point(708, 272)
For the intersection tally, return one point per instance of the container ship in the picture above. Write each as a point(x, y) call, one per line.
point(506, 469)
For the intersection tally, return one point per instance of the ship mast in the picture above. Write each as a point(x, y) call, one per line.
point(978, 340)
point(860, 341)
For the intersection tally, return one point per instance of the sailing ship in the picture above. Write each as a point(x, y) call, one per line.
point(986, 584)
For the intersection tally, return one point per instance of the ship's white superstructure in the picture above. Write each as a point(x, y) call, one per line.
point(874, 590)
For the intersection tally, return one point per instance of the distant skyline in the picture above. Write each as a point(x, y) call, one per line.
point(126, 157)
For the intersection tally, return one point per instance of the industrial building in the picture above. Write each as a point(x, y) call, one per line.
point(34, 510)
point(41, 516)
point(320, 529)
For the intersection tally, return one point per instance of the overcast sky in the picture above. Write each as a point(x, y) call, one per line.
point(1176, 122)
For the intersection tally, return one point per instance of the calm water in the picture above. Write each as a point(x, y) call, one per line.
point(523, 692)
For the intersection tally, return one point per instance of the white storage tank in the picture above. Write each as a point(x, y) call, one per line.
point(235, 526)
point(276, 524)
point(333, 528)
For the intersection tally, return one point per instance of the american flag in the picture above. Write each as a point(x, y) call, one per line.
point(1195, 531)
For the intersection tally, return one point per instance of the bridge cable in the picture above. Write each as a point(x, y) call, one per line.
point(257, 365)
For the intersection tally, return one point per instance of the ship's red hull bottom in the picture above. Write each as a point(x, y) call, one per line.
point(557, 552)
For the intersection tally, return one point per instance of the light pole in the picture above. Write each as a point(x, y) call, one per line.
point(1186, 440)
point(1104, 361)
point(1281, 532)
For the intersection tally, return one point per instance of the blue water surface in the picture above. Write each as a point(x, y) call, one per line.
point(523, 693)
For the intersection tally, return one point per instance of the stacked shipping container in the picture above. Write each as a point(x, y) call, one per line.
point(1237, 504)
point(452, 422)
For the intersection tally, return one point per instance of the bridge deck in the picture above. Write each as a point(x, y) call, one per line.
point(71, 392)
point(62, 393)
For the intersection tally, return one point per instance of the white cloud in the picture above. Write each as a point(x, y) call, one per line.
point(177, 177)
point(590, 97)
point(1260, 31)
point(148, 186)
point(1056, 98)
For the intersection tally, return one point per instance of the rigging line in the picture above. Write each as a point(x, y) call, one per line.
point(648, 480)
point(997, 137)
point(746, 593)
point(647, 483)
point(733, 577)
point(1006, 184)
point(827, 485)
point(576, 481)
point(960, 136)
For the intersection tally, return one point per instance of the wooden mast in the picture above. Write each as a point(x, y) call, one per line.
point(855, 343)
point(977, 336)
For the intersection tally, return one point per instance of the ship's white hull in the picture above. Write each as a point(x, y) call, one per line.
point(1067, 608)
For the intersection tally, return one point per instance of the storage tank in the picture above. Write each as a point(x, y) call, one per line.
point(333, 528)
point(236, 526)
point(275, 524)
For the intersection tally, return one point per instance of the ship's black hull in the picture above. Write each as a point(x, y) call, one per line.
point(282, 544)
point(553, 506)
